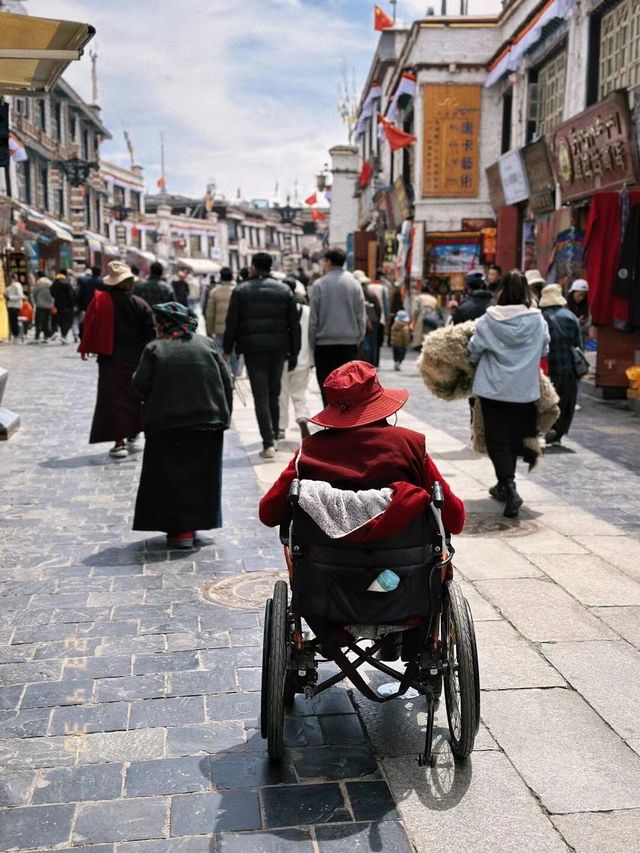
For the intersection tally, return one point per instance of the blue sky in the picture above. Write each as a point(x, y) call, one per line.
point(245, 91)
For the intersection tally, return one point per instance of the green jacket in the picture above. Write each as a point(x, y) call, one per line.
point(184, 383)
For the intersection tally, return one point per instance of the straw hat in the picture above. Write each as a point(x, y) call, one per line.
point(551, 297)
point(118, 272)
point(534, 277)
point(355, 397)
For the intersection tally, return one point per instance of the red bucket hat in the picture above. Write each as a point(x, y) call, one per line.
point(355, 397)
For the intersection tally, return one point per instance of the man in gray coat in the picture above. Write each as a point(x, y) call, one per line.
point(337, 321)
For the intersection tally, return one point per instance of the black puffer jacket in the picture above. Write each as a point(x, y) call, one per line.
point(473, 306)
point(262, 317)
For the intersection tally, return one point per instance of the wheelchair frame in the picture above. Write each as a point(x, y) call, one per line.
point(446, 652)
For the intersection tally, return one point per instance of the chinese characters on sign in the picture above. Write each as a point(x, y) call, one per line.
point(595, 150)
point(542, 195)
point(451, 141)
point(513, 176)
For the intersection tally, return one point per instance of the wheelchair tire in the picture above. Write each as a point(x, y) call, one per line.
point(476, 665)
point(277, 672)
point(461, 684)
point(266, 645)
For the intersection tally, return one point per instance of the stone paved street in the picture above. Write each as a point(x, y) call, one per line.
point(129, 675)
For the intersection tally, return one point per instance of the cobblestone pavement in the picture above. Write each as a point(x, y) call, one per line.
point(129, 702)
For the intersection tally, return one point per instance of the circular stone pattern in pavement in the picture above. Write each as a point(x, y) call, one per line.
point(243, 592)
point(481, 524)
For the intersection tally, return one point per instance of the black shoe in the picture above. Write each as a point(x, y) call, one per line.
point(390, 649)
point(513, 501)
point(497, 492)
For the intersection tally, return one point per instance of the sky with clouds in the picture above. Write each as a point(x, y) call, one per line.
point(245, 93)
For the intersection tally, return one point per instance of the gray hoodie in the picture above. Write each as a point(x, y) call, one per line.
point(507, 346)
point(337, 315)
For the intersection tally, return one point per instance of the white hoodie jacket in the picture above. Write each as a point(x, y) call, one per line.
point(507, 346)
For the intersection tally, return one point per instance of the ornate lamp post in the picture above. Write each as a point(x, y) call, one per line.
point(77, 172)
point(287, 215)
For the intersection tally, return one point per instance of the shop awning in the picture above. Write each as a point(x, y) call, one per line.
point(97, 243)
point(111, 250)
point(199, 266)
point(34, 52)
point(140, 253)
point(54, 229)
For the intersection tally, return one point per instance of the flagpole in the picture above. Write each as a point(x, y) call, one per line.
point(164, 183)
point(394, 3)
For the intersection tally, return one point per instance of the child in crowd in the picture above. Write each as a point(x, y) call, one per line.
point(400, 338)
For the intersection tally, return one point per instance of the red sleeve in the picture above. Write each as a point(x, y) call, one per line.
point(274, 506)
point(453, 509)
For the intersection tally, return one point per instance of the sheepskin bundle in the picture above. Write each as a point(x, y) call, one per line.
point(444, 362)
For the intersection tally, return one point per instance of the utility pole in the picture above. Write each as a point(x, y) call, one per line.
point(93, 54)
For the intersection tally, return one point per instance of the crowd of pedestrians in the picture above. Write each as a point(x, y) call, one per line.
point(156, 375)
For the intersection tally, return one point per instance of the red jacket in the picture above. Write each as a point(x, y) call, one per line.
point(368, 457)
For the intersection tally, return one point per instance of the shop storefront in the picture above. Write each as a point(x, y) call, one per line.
point(595, 160)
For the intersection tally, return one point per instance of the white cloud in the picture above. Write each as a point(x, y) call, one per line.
point(244, 92)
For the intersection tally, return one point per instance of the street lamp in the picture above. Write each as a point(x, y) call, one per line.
point(76, 170)
point(322, 178)
point(287, 217)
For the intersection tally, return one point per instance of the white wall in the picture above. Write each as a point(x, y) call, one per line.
point(345, 167)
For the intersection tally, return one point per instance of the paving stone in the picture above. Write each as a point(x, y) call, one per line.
point(49, 694)
point(612, 832)
point(111, 717)
point(284, 841)
point(75, 784)
point(334, 700)
point(140, 745)
point(303, 731)
point(508, 661)
point(301, 805)
point(542, 611)
point(199, 683)
point(29, 723)
point(607, 674)
point(167, 662)
point(481, 610)
point(122, 820)
point(246, 637)
point(199, 844)
point(23, 753)
point(234, 706)
point(16, 787)
point(35, 826)
point(81, 615)
point(47, 633)
point(480, 804)
point(246, 656)
point(388, 835)
point(167, 712)
point(342, 730)
point(136, 687)
point(590, 579)
point(623, 552)
point(238, 770)
point(215, 812)
point(333, 763)
point(249, 679)
point(371, 801)
point(398, 727)
point(25, 673)
point(100, 667)
point(206, 738)
point(169, 776)
point(565, 753)
point(624, 620)
point(480, 559)
point(148, 644)
point(194, 640)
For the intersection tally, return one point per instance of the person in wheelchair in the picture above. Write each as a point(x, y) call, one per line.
point(359, 451)
point(365, 518)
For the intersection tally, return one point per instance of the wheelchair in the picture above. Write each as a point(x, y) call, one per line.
point(426, 619)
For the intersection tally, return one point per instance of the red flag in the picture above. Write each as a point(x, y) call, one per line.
point(160, 183)
point(313, 199)
point(366, 173)
point(381, 21)
point(317, 215)
point(396, 138)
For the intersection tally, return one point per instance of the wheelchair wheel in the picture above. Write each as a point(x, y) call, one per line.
point(461, 681)
point(274, 673)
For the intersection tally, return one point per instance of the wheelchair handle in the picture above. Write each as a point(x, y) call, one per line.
point(294, 491)
point(437, 495)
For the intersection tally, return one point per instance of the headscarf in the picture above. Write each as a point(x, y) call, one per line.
point(175, 320)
